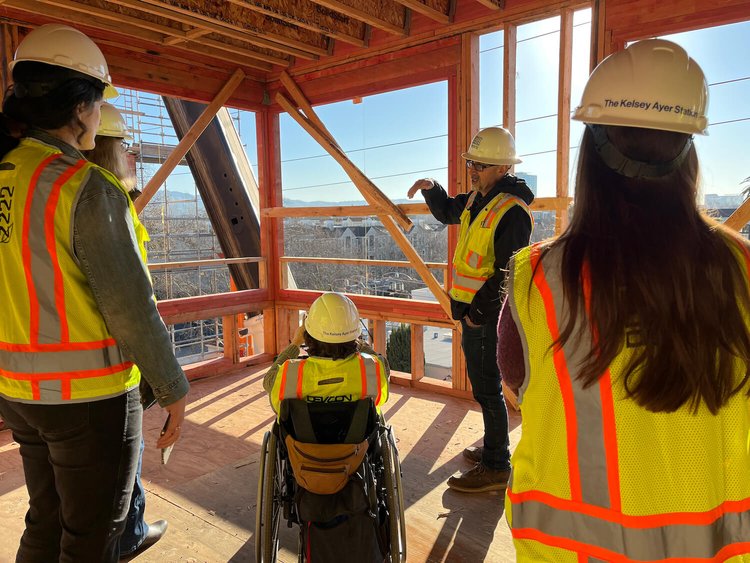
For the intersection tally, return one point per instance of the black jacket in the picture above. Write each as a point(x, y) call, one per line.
point(512, 233)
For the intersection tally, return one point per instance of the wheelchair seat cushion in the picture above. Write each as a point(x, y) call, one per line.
point(324, 469)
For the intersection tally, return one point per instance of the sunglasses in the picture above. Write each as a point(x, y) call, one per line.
point(478, 166)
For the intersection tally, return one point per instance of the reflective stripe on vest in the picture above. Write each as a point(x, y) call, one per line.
point(39, 251)
point(474, 258)
point(591, 521)
point(470, 284)
point(64, 361)
point(368, 368)
point(54, 351)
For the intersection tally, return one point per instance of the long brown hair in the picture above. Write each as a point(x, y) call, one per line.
point(656, 264)
point(109, 154)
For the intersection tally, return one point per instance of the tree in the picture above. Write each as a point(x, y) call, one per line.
point(398, 348)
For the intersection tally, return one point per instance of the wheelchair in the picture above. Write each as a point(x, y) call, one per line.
point(377, 479)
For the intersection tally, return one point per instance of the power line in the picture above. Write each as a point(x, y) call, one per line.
point(740, 79)
point(368, 148)
point(532, 37)
point(373, 178)
point(739, 119)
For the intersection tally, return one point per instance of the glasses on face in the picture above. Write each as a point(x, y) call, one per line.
point(478, 166)
point(125, 145)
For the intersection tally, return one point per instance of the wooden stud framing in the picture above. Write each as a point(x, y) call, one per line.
point(563, 111)
point(510, 36)
point(467, 101)
point(9, 47)
point(598, 33)
point(417, 352)
point(271, 229)
point(287, 321)
point(376, 308)
point(359, 262)
point(231, 349)
point(341, 211)
point(468, 104)
point(216, 305)
point(188, 140)
point(539, 204)
point(378, 337)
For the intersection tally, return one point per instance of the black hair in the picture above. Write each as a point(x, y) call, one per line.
point(335, 351)
point(46, 97)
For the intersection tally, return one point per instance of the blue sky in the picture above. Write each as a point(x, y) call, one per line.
point(398, 137)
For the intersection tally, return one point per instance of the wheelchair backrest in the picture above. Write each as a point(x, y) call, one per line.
point(338, 423)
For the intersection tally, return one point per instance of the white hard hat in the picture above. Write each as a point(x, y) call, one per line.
point(493, 145)
point(334, 318)
point(60, 45)
point(652, 84)
point(112, 124)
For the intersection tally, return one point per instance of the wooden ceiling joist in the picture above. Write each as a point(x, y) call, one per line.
point(251, 31)
point(122, 24)
point(493, 4)
point(178, 55)
point(427, 9)
point(387, 15)
point(309, 15)
point(189, 34)
point(239, 50)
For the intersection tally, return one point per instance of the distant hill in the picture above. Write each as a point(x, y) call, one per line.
point(300, 203)
point(180, 203)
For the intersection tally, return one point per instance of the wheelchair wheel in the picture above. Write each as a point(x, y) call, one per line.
point(394, 498)
point(268, 505)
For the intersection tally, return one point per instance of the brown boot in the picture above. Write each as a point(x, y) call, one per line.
point(480, 479)
point(473, 454)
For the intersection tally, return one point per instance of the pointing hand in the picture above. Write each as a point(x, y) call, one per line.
point(423, 184)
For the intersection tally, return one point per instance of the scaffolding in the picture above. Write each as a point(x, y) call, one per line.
point(178, 224)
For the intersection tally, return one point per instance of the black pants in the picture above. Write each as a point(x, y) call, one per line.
point(79, 461)
point(480, 349)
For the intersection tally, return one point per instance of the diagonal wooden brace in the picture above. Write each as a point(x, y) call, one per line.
point(370, 192)
point(188, 140)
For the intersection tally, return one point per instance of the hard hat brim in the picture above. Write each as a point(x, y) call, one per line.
point(110, 92)
point(492, 161)
point(695, 128)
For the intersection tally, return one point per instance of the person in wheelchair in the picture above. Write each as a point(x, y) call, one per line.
point(340, 368)
point(330, 463)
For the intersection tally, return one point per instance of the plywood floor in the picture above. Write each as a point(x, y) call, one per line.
point(207, 491)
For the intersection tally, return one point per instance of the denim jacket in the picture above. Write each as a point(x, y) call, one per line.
point(104, 242)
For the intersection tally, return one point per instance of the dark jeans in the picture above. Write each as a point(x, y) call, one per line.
point(135, 526)
point(480, 350)
point(79, 460)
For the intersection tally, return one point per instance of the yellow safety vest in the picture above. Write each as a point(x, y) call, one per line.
point(55, 347)
point(474, 259)
point(597, 477)
point(323, 380)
